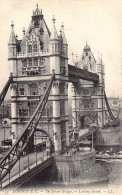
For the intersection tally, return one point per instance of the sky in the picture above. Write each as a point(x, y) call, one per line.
point(93, 21)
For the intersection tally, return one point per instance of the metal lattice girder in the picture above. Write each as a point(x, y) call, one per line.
point(79, 73)
point(19, 146)
point(5, 89)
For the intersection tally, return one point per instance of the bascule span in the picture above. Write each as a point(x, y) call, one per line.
point(23, 174)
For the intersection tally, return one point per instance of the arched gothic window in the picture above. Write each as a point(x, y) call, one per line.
point(41, 45)
point(30, 62)
point(35, 47)
point(33, 89)
point(41, 31)
point(35, 62)
point(29, 48)
point(36, 24)
point(23, 112)
point(24, 63)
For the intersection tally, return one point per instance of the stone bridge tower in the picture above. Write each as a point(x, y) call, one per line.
point(32, 61)
point(87, 97)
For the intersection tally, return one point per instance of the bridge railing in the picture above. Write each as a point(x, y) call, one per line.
point(13, 155)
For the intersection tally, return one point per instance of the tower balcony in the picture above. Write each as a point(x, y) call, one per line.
point(32, 70)
point(33, 54)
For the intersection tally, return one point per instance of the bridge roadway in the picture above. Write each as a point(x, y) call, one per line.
point(34, 163)
point(20, 174)
point(84, 133)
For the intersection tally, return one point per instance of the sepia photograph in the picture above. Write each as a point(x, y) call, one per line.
point(61, 97)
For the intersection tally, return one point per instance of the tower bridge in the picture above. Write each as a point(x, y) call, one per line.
point(39, 93)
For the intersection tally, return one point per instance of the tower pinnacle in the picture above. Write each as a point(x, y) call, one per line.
point(12, 25)
point(12, 39)
point(63, 34)
point(37, 12)
point(86, 47)
point(60, 31)
point(54, 34)
point(23, 31)
point(62, 26)
point(53, 19)
point(98, 59)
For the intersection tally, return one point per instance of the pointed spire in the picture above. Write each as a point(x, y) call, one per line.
point(63, 34)
point(60, 31)
point(12, 39)
point(76, 58)
point(102, 59)
point(37, 11)
point(54, 34)
point(86, 47)
point(12, 26)
point(72, 59)
point(53, 19)
point(98, 59)
point(62, 26)
point(16, 37)
point(23, 30)
point(76, 62)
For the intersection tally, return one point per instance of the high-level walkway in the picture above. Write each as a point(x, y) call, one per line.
point(78, 73)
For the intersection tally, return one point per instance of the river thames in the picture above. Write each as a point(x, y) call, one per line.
point(107, 173)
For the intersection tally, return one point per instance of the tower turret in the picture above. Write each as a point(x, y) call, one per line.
point(12, 51)
point(54, 50)
point(12, 43)
point(99, 68)
point(54, 34)
point(100, 91)
point(55, 65)
point(63, 35)
point(12, 57)
point(59, 63)
point(64, 50)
